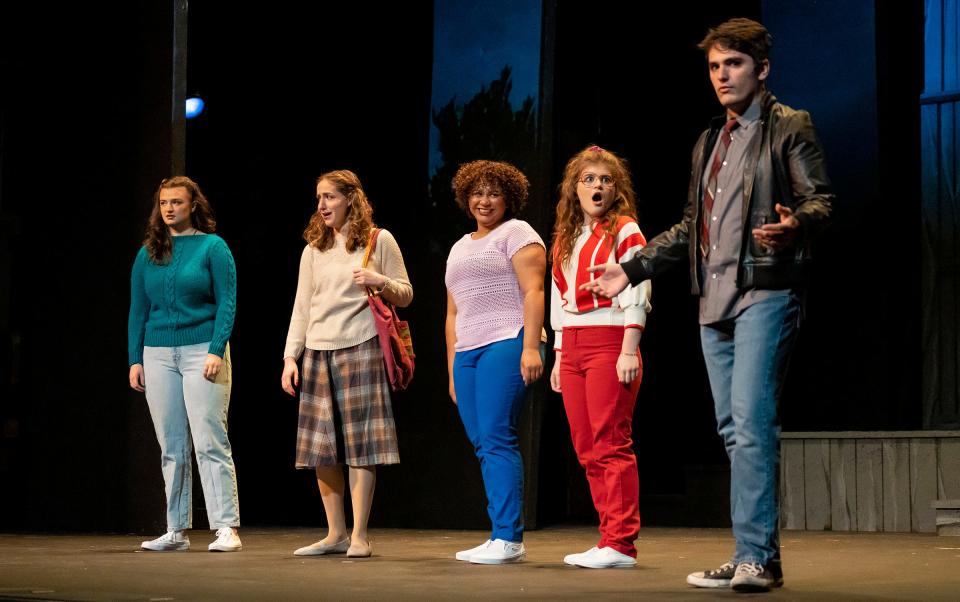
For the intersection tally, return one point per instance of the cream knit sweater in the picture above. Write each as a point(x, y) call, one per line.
point(330, 310)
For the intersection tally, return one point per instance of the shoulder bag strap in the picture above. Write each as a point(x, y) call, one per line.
point(371, 245)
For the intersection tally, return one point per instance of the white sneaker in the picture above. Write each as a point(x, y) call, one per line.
point(572, 559)
point(466, 554)
point(227, 541)
point(604, 558)
point(171, 541)
point(500, 551)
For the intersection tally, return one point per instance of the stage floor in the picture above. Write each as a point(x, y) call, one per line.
point(411, 564)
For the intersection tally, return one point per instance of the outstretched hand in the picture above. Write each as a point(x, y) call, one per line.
point(781, 235)
point(610, 281)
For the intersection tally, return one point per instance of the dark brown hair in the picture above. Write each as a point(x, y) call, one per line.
point(743, 35)
point(157, 238)
point(359, 214)
point(515, 186)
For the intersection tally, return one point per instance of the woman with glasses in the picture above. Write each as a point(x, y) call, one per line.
point(598, 366)
point(495, 311)
point(346, 417)
point(183, 297)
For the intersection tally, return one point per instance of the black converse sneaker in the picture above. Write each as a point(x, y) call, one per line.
point(754, 577)
point(713, 578)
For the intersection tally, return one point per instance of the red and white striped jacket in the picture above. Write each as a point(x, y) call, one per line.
point(571, 306)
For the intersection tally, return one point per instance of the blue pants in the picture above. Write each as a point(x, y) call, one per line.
point(188, 411)
point(490, 394)
point(747, 361)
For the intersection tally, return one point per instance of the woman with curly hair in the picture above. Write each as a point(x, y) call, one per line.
point(598, 366)
point(345, 411)
point(183, 296)
point(494, 284)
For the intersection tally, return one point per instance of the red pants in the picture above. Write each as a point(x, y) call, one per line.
point(600, 412)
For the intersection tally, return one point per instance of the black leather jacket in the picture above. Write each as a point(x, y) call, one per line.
point(785, 165)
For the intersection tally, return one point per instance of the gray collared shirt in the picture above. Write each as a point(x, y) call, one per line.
point(721, 298)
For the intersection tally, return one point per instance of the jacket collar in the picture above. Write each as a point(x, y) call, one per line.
point(767, 100)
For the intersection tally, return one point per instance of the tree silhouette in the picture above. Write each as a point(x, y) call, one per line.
point(486, 127)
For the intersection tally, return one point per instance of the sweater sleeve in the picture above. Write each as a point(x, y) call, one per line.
point(519, 235)
point(397, 289)
point(139, 310)
point(297, 333)
point(223, 272)
point(556, 315)
point(635, 299)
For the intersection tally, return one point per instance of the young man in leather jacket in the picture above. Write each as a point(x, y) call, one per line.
point(758, 194)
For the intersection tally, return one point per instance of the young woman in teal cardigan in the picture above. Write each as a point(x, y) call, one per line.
point(183, 298)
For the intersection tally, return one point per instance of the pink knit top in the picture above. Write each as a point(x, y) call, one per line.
point(484, 287)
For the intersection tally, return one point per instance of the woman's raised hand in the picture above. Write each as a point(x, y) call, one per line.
point(367, 277)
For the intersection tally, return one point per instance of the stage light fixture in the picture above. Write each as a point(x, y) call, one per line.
point(194, 107)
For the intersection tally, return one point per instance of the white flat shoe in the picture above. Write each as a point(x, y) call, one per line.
point(356, 551)
point(320, 548)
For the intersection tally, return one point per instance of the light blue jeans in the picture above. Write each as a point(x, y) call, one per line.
point(189, 411)
point(747, 360)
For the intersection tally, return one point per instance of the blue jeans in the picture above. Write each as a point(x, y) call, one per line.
point(190, 411)
point(746, 361)
point(490, 394)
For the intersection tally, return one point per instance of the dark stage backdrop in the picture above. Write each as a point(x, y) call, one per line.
point(303, 88)
point(291, 93)
point(85, 101)
point(855, 366)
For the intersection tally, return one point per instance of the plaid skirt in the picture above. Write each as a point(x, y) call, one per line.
point(346, 392)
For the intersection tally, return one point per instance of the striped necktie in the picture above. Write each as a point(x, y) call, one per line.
point(709, 193)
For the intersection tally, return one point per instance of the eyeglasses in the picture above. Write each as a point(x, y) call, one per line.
point(591, 179)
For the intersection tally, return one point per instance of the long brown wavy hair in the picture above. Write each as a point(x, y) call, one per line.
point(570, 215)
point(359, 214)
point(157, 238)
